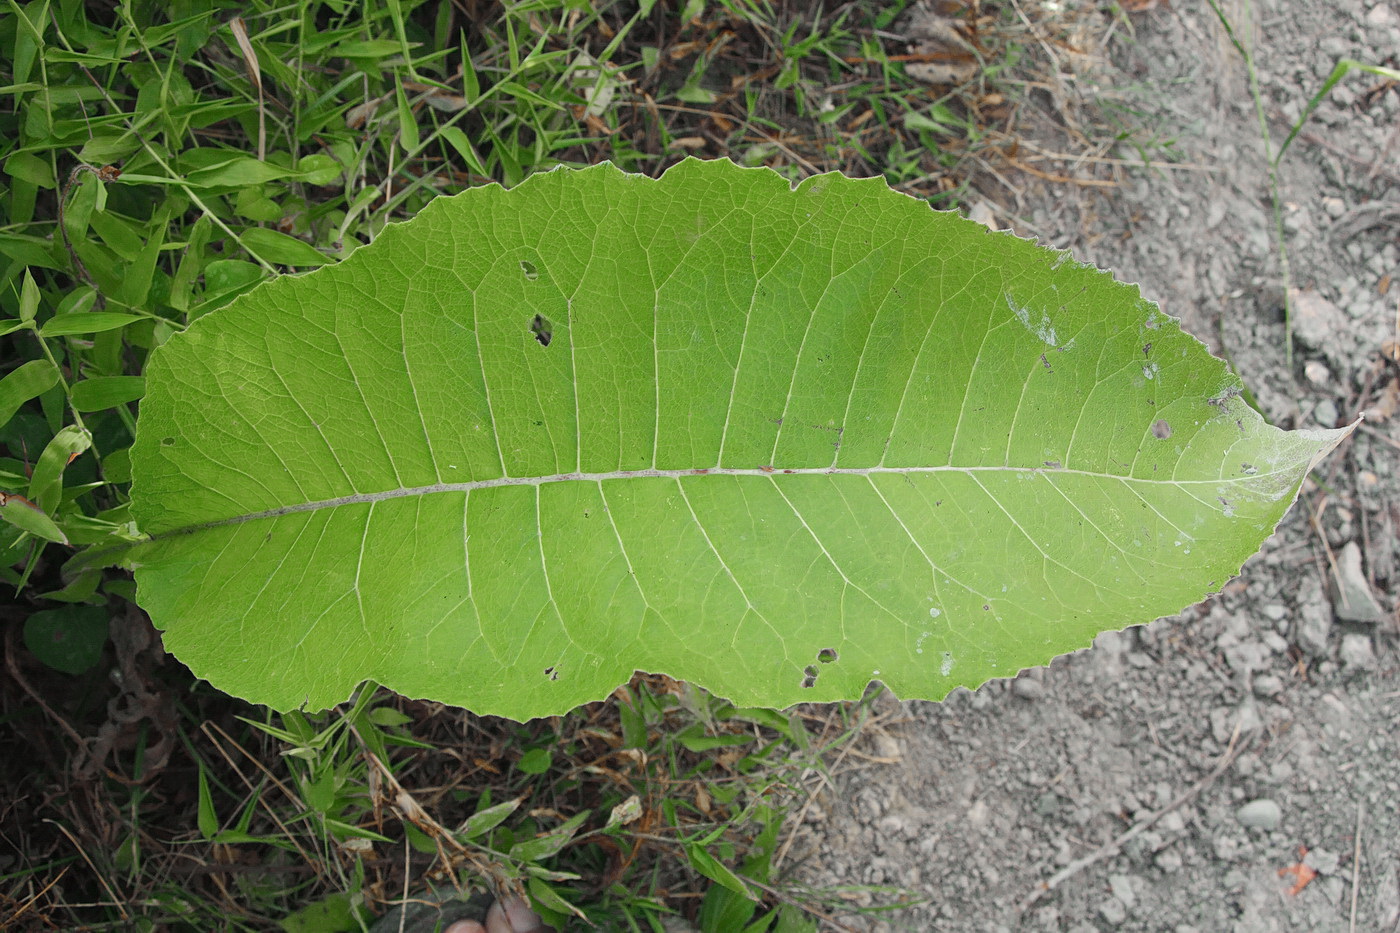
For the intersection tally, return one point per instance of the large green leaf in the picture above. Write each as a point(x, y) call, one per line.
point(774, 441)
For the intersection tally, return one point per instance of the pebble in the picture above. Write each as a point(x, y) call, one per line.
point(1122, 887)
point(887, 746)
point(1027, 688)
point(1113, 911)
point(1260, 814)
point(1314, 621)
point(1316, 320)
point(1353, 599)
point(1326, 413)
point(1226, 848)
point(1224, 720)
point(1267, 685)
point(1322, 861)
point(1246, 657)
point(1381, 15)
point(1357, 653)
point(1317, 373)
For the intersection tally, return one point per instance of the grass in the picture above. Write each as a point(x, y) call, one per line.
point(158, 160)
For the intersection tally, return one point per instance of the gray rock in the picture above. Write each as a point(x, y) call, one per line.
point(1226, 848)
point(1223, 721)
point(1113, 911)
point(1322, 861)
point(1316, 321)
point(1260, 814)
point(1351, 597)
point(1357, 653)
point(1381, 15)
point(1317, 373)
point(1027, 687)
point(1314, 622)
point(1122, 887)
point(1325, 413)
point(1246, 656)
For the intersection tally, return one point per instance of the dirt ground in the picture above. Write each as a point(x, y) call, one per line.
point(1232, 768)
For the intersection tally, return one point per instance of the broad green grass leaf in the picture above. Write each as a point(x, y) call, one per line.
point(709, 866)
point(23, 383)
point(542, 847)
point(46, 484)
point(776, 441)
point(483, 821)
point(85, 322)
point(28, 297)
point(278, 247)
point(26, 166)
point(26, 516)
point(103, 392)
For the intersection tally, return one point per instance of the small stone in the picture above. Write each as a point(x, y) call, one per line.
point(1223, 721)
point(1380, 15)
point(1322, 861)
point(1249, 656)
point(1326, 414)
point(1335, 207)
point(892, 826)
point(887, 746)
point(1122, 888)
point(1314, 622)
point(1169, 860)
point(982, 213)
point(1275, 612)
point(1317, 373)
point(1260, 814)
point(1027, 688)
point(1316, 321)
point(1357, 653)
point(1113, 911)
point(1352, 597)
point(1267, 685)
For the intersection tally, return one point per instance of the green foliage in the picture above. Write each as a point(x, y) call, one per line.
point(68, 639)
point(777, 442)
point(159, 160)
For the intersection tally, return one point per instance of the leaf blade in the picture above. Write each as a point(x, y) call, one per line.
point(820, 436)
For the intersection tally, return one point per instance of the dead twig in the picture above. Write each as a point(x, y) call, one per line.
point(1356, 866)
